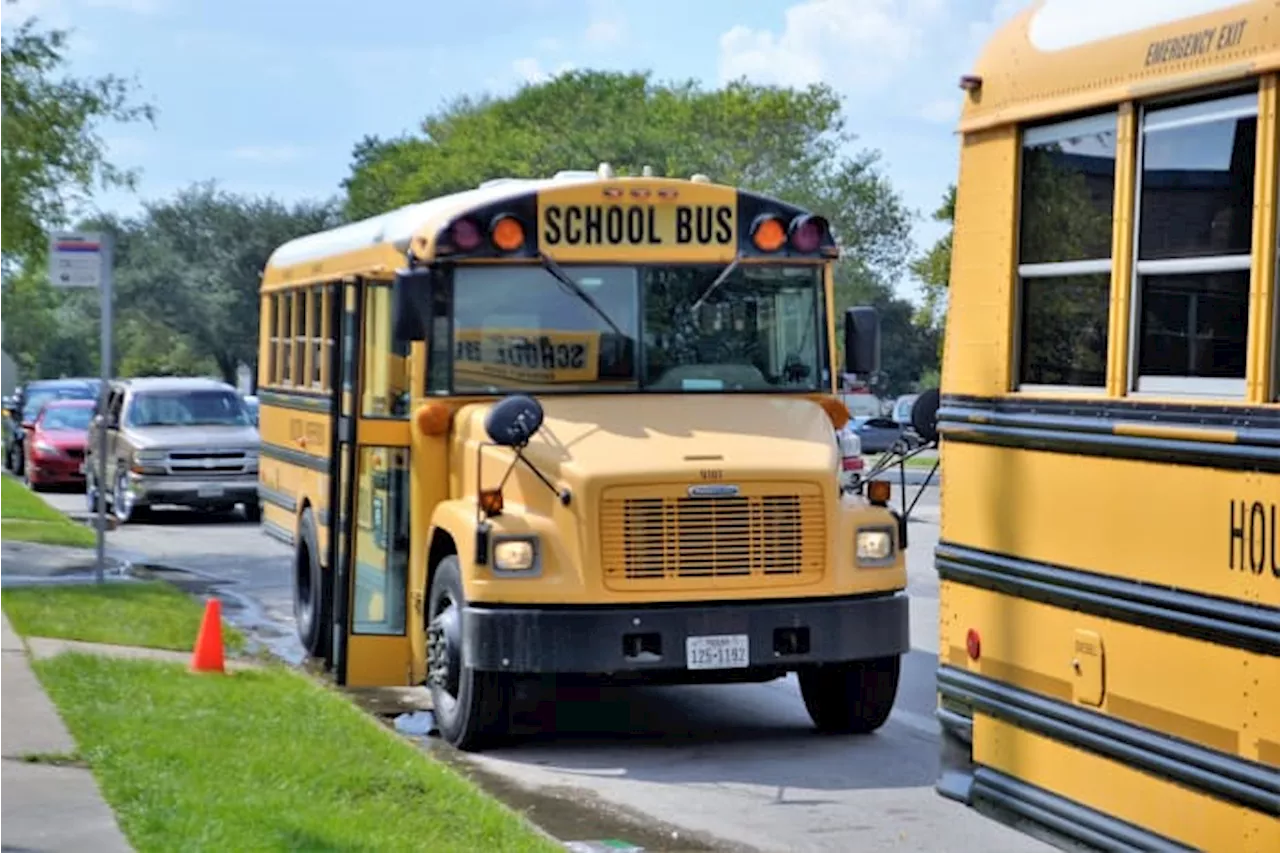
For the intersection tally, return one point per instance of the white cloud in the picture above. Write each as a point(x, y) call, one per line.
point(284, 153)
point(854, 45)
point(548, 44)
point(605, 23)
point(941, 110)
point(530, 70)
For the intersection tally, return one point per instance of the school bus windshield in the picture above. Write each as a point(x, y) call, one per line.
point(630, 328)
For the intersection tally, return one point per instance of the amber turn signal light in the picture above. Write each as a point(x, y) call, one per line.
point(878, 492)
point(507, 233)
point(432, 418)
point(767, 233)
point(491, 501)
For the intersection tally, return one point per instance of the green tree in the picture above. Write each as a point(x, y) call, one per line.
point(789, 143)
point(188, 272)
point(933, 269)
point(53, 156)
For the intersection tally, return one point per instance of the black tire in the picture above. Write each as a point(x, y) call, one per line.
point(17, 459)
point(312, 598)
point(253, 511)
point(851, 698)
point(471, 708)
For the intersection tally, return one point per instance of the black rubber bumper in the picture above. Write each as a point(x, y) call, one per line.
point(633, 639)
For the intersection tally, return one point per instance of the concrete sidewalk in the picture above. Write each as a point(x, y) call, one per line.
point(46, 808)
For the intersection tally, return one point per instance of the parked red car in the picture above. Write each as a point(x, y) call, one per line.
point(55, 445)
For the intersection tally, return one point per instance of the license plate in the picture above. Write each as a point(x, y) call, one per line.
point(209, 491)
point(723, 651)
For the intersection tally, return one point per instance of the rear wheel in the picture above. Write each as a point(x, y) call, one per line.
point(471, 707)
point(312, 585)
point(851, 698)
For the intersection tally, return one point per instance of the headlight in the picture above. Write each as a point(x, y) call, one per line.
point(45, 447)
point(873, 546)
point(149, 457)
point(514, 555)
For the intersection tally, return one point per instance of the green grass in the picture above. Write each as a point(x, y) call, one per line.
point(152, 614)
point(62, 532)
point(263, 760)
point(17, 501)
point(25, 517)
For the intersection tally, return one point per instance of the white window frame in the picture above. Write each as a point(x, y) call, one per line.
point(1039, 135)
point(1226, 106)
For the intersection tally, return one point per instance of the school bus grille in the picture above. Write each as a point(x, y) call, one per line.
point(748, 540)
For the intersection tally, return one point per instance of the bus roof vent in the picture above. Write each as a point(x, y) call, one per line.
point(700, 179)
point(647, 172)
point(604, 171)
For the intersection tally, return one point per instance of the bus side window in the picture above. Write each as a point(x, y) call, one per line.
point(384, 377)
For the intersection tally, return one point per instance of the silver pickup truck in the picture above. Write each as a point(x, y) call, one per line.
point(182, 441)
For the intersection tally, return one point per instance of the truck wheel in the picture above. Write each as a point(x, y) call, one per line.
point(851, 698)
point(312, 586)
point(470, 707)
point(253, 511)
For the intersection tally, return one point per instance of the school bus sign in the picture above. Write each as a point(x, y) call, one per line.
point(682, 222)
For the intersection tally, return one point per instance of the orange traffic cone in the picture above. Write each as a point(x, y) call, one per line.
point(207, 655)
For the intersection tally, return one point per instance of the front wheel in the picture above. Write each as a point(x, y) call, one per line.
point(851, 698)
point(470, 707)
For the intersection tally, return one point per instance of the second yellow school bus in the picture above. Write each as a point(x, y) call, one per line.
point(1110, 585)
point(581, 425)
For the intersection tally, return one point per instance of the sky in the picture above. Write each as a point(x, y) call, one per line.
point(270, 96)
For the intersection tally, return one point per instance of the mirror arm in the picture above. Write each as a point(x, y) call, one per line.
point(563, 494)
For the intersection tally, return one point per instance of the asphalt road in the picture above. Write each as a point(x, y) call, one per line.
point(739, 764)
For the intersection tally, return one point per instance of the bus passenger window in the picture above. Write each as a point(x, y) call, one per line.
point(382, 541)
point(1064, 253)
point(384, 378)
point(1194, 244)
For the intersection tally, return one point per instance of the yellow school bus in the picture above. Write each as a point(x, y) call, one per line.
point(579, 426)
point(1109, 581)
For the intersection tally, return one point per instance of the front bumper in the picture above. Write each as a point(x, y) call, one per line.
point(599, 640)
point(194, 492)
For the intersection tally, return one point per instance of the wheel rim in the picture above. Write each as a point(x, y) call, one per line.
point(444, 659)
point(122, 499)
point(303, 611)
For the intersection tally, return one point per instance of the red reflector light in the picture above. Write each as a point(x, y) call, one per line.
point(853, 463)
point(807, 233)
point(466, 236)
point(973, 644)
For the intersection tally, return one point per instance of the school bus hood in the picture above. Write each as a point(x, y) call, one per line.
point(601, 439)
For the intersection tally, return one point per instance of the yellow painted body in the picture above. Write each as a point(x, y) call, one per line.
point(607, 449)
point(1054, 492)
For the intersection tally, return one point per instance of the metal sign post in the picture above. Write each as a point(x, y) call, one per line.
point(84, 260)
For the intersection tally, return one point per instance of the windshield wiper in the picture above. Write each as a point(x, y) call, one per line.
point(576, 289)
point(720, 279)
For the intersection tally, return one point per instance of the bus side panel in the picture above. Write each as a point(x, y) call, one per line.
point(293, 464)
point(976, 354)
point(1192, 528)
point(1204, 693)
point(1172, 810)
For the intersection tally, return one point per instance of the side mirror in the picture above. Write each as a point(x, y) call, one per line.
point(410, 305)
point(513, 420)
point(924, 415)
point(861, 341)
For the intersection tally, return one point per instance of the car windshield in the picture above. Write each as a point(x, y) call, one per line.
point(644, 327)
point(66, 417)
point(187, 408)
point(37, 397)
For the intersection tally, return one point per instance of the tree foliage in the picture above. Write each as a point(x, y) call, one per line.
point(785, 142)
point(53, 156)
